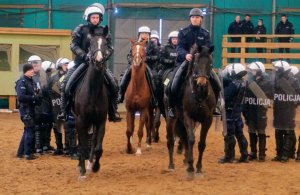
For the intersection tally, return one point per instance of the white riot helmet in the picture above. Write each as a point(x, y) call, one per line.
point(237, 69)
point(173, 34)
point(294, 70)
point(144, 29)
point(225, 71)
point(281, 64)
point(154, 34)
point(34, 58)
point(257, 66)
point(60, 62)
point(47, 64)
point(71, 65)
point(95, 8)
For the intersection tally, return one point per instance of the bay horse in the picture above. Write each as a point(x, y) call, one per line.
point(91, 105)
point(138, 97)
point(197, 105)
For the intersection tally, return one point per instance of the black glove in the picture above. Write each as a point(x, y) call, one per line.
point(37, 99)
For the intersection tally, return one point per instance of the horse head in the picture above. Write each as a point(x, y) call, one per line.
point(138, 52)
point(201, 64)
point(99, 51)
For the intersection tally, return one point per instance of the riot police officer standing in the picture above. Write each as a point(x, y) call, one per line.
point(256, 103)
point(27, 96)
point(234, 91)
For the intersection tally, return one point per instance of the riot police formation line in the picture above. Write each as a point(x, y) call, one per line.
point(250, 91)
point(41, 92)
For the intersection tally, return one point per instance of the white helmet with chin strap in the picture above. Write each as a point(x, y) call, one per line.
point(95, 8)
point(34, 58)
point(144, 29)
point(257, 66)
point(281, 64)
point(47, 64)
point(236, 69)
point(173, 34)
point(154, 34)
point(60, 62)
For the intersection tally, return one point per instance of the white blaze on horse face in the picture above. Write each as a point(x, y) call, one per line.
point(137, 58)
point(99, 56)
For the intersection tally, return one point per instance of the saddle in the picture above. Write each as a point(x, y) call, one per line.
point(75, 79)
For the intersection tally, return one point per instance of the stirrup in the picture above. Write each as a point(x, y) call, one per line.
point(62, 116)
point(171, 112)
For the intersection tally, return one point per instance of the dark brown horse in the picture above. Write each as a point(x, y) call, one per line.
point(197, 105)
point(138, 97)
point(90, 106)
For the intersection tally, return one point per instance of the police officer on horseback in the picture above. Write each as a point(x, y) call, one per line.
point(169, 53)
point(79, 46)
point(187, 37)
point(152, 58)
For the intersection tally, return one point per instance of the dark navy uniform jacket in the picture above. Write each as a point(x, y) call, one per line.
point(168, 56)
point(187, 37)
point(284, 28)
point(81, 38)
point(25, 88)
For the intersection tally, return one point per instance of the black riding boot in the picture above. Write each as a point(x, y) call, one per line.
point(243, 145)
point(262, 142)
point(124, 84)
point(149, 78)
point(174, 87)
point(59, 145)
point(279, 144)
point(253, 143)
point(298, 152)
point(287, 145)
point(113, 114)
point(216, 86)
point(229, 148)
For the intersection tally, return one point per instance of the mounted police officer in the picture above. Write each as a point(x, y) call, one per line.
point(286, 99)
point(234, 91)
point(79, 46)
point(168, 52)
point(187, 37)
point(152, 59)
point(256, 103)
point(27, 96)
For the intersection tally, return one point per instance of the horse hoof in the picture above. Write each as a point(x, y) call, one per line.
point(171, 168)
point(190, 176)
point(138, 152)
point(96, 167)
point(82, 178)
point(199, 174)
point(89, 166)
point(149, 147)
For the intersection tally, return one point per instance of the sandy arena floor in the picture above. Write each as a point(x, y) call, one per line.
point(147, 174)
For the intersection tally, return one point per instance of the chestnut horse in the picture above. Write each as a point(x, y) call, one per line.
point(91, 105)
point(197, 104)
point(138, 97)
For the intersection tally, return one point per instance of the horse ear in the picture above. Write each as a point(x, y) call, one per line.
point(105, 30)
point(211, 49)
point(132, 41)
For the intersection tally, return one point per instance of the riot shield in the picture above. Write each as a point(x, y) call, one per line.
point(257, 101)
point(286, 98)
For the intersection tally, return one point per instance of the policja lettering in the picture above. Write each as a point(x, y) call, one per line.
point(287, 97)
point(257, 101)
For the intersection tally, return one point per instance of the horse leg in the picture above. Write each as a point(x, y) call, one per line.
point(156, 123)
point(170, 142)
point(202, 143)
point(83, 145)
point(129, 132)
point(143, 118)
point(99, 147)
point(189, 125)
point(93, 145)
point(149, 126)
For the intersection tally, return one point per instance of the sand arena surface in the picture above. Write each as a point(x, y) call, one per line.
point(122, 173)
